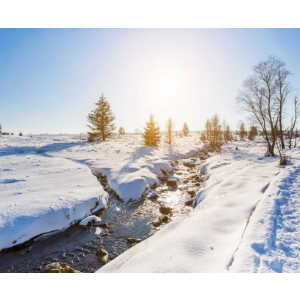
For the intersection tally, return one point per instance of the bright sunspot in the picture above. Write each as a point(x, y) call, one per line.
point(168, 82)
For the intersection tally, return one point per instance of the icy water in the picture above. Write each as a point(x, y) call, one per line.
point(77, 246)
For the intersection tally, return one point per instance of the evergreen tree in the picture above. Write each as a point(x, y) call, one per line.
point(252, 133)
point(20, 134)
point(185, 130)
point(101, 119)
point(241, 130)
point(151, 133)
point(121, 130)
point(170, 133)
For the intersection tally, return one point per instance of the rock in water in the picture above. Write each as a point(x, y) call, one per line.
point(102, 255)
point(189, 202)
point(57, 267)
point(154, 195)
point(192, 193)
point(165, 209)
point(133, 240)
point(172, 181)
point(89, 221)
point(163, 218)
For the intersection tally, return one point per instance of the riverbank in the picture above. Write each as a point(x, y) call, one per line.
point(49, 182)
point(77, 246)
point(208, 238)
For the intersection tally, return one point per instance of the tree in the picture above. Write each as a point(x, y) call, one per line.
point(263, 96)
point(121, 130)
point(283, 90)
point(185, 130)
point(208, 129)
point(20, 134)
point(227, 133)
point(241, 130)
point(170, 133)
point(101, 119)
point(136, 131)
point(294, 120)
point(252, 133)
point(151, 135)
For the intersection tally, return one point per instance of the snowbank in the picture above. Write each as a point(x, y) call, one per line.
point(41, 195)
point(207, 239)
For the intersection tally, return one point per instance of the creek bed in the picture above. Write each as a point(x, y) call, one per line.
point(77, 246)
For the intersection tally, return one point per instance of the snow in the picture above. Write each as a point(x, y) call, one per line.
point(207, 239)
point(89, 219)
point(41, 194)
point(271, 242)
point(246, 218)
point(48, 183)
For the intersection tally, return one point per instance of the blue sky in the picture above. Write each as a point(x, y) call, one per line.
point(51, 78)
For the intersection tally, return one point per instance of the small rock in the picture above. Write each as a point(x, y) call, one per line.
point(165, 210)
point(163, 218)
point(154, 195)
point(57, 267)
point(102, 255)
point(191, 193)
point(189, 202)
point(172, 181)
point(133, 240)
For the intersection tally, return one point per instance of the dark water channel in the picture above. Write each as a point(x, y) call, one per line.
point(77, 246)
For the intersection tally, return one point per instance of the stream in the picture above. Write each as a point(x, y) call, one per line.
point(77, 245)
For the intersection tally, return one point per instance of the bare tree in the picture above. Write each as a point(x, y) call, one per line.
point(284, 89)
point(291, 130)
point(261, 97)
point(170, 133)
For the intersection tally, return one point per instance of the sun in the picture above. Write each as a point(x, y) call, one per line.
point(168, 82)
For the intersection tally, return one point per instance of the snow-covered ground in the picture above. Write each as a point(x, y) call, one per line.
point(246, 220)
point(216, 236)
point(47, 181)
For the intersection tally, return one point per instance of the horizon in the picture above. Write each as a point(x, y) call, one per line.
point(51, 78)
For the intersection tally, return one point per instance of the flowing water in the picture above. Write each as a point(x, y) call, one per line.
point(77, 246)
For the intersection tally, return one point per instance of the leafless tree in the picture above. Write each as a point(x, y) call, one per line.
point(294, 120)
point(284, 89)
point(263, 95)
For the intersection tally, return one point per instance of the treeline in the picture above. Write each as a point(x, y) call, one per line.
point(102, 126)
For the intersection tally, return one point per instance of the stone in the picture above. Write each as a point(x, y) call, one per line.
point(191, 193)
point(133, 240)
point(163, 218)
point(172, 181)
point(57, 267)
point(154, 195)
point(189, 202)
point(102, 255)
point(165, 210)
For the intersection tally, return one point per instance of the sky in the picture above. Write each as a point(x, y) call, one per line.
point(51, 78)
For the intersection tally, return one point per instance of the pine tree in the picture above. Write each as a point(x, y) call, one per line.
point(121, 130)
point(185, 130)
point(101, 119)
point(170, 133)
point(151, 133)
